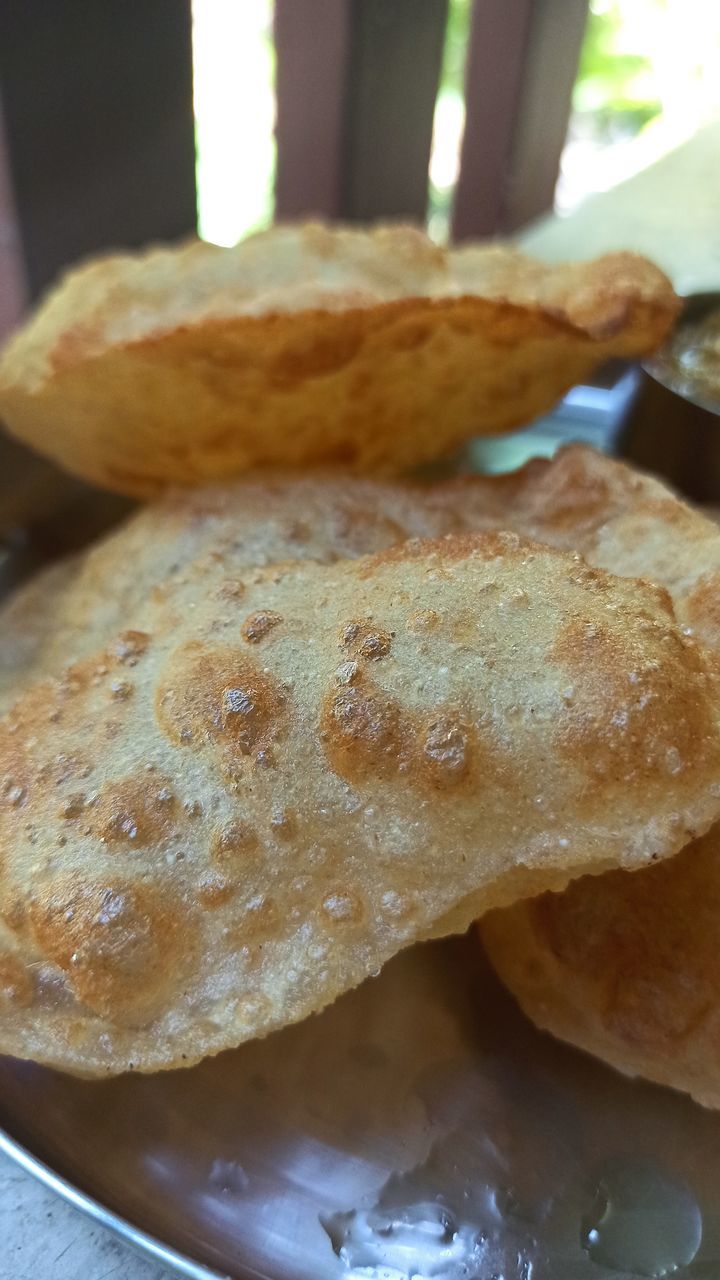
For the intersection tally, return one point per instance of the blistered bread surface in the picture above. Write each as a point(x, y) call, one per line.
point(306, 345)
point(625, 967)
point(254, 787)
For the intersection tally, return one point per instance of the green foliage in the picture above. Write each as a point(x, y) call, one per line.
point(615, 87)
point(457, 31)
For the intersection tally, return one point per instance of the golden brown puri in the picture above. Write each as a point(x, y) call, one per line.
point(308, 345)
point(618, 519)
point(626, 967)
point(26, 623)
point(68, 610)
point(211, 826)
point(581, 500)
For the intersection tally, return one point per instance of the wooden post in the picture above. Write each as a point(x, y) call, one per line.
point(554, 43)
point(493, 76)
point(521, 69)
point(13, 286)
point(397, 55)
point(312, 41)
point(356, 85)
point(99, 125)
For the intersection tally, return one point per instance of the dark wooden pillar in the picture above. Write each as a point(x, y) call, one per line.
point(99, 125)
point(522, 64)
point(356, 84)
point(312, 41)
point(493, 77)
point(13, 285)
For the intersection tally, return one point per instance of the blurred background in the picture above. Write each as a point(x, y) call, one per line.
point(576, 126)
point(123, 123)
point(647, 77)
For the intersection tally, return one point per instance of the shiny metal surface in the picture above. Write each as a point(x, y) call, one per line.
point(124, 1230)
point(419, 1127)
point(681, 375)
point(672, 431)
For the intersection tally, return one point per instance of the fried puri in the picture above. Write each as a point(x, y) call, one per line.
point(626, 967)
point(257, 788)
point(583, 501)
point(308, 345)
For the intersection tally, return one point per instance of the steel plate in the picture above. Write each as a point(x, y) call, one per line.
point(418, 1127)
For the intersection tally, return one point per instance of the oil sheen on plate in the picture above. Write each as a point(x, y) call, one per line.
point(420, 1127)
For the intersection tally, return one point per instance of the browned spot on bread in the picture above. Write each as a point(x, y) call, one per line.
point(217, 695)
point(412, 334)
point(16, 985)
point(120, 690)
point(315, 357)
point(422, 620)
point(361, 638)
point(122, 947)
point(138, 810)
point(701, 608)
point(130, 646)
point(621, 714)
point(452, 548)
point(283, 823)
point(232, 844)
point(584, 575)
point(13, 910)
point(362, 731)
point(445, 746)
point(214, 889)
point(73, 679)
point(231, 589)
point(259, 922)
point(72, 806)
point(342, 907)
point(258, 624)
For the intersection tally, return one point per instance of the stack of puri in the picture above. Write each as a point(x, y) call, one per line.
point(299, 712)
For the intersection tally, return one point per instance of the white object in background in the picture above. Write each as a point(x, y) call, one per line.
point(670, 212)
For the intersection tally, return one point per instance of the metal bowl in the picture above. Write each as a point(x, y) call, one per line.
point(674, 426)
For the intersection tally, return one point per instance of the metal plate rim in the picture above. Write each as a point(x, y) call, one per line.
point(138, 1239)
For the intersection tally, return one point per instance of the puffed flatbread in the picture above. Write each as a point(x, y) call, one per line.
point(259, 787)
point(308, 345)
point(617, 518)
point(69, 609)
point(582, 501)
point(626, 967)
